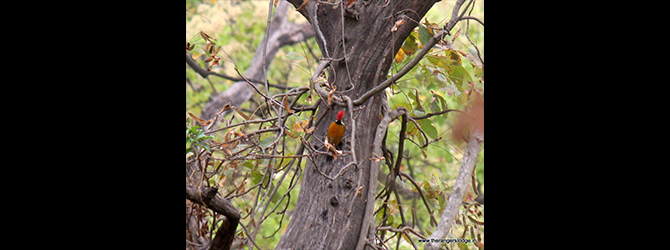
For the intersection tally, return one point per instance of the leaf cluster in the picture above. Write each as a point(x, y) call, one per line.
point(195, 137)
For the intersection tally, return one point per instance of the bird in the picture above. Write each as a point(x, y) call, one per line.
point(336, 130)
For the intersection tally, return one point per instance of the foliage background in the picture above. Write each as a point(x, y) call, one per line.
point(238, 26)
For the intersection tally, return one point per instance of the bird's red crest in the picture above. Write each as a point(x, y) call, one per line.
point(340, 115)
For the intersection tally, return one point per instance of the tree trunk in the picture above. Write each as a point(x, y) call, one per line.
point(331, 214)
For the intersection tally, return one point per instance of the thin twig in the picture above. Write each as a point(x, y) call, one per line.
point(473, 18)
point(436, 113)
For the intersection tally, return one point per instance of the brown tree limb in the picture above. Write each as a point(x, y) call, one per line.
point(209, 198)
point(459, 189)
point(368, 223)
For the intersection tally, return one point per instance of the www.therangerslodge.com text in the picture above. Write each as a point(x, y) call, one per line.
point(449, 240)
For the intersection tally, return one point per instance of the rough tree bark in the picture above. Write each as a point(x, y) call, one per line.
point(357, 39)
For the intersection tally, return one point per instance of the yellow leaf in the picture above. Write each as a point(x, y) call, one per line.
point(400, 56)
point(300, 126)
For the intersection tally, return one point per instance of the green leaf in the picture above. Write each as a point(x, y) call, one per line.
point(390, 219)
point(248, 165)
point(417, 112)
point(454, 57)
point(266, 142)
point(400, 101)
point(427, 126)
point(434, 107)
point(442, 204)
point(459, 76)
point(448, 157)
point(410, 46)
point(428, 190)
point(256, 177)
point(437, 96)
point(424, 35)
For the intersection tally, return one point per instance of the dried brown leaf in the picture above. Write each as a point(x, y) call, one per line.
point(242, 114)
point(376, 158)
point(286, 107)
point(359, 191)
point(199, 120)
point(397, 24)
point(300, 126)
point(302, 5)
point(330, 94)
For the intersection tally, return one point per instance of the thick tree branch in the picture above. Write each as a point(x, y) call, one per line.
point(462, 182)
point(209, 198)
point(368, 223)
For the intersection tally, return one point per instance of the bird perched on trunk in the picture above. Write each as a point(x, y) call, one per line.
point(336, 131)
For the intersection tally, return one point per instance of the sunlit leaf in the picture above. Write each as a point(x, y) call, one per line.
point(399, 56)
point(300, 126)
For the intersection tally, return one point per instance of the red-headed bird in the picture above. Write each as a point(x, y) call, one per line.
point(336, 130)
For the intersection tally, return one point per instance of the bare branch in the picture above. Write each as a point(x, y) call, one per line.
point(456, 197)
point(368, 225)
point(436, 113)
point(473, 18)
